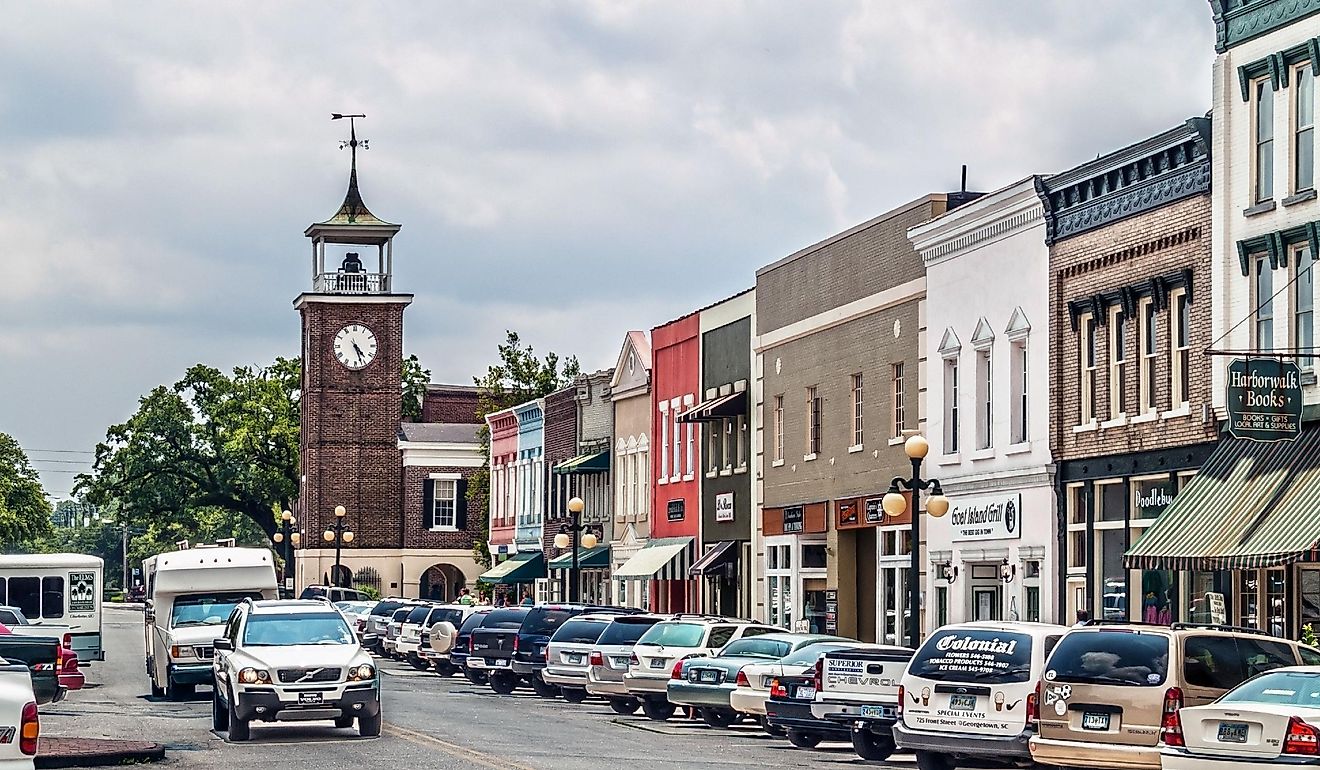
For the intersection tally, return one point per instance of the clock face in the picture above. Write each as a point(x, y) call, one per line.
point(355, 346)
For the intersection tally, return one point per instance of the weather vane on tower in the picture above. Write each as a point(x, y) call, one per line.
point(353, 205)
point(352, 142)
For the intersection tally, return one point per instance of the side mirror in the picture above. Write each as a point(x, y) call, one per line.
point(370, 640)
point(224, 644)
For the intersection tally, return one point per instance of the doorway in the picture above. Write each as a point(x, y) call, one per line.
point(987, 592)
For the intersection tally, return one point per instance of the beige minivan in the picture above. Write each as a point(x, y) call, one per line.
point(1108, 688)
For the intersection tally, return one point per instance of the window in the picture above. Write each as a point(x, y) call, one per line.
point(779, 428)
point(678, 442)
point(25, 594)
point(1018, 350)
point(445, 503)
point(1264, 140)
point(984, 398)
point(664, 443)
point(1149, 346)
point(727, 442)
point(951, 427)
point(1117, 363)
point(1304, 128)
point(857, 409)
point(1088, 369)
point(1181, 347)
point(1304, 305)
point(814, 406)
point(900, 413)
point(52, 597)
point(714, 437)
point(740, 438)
point(691, 448)
point(1264, 304)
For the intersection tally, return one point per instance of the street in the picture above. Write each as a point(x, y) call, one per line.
point(429, 721)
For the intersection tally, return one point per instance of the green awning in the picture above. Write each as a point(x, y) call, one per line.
point(588, 558)
point(664, 558)
point(1252, 505)
point(597, 462)
point(518, 568)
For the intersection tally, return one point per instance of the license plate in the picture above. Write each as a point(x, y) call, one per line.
point(575, 659)
point(657, 663)
point(498, 662)
point(875, 711)
point(806, 693)
point(1232, 732)
point(710, 676)
point(1092, 721)
point(309, 697)
point(620, 662)
point(962, 703)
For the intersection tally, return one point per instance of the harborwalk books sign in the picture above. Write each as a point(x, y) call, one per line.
point(1264, 399)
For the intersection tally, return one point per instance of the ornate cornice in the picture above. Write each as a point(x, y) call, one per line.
point(1143, 196)
point(1237, 21)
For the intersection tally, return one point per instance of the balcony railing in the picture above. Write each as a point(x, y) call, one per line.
point(353, 283)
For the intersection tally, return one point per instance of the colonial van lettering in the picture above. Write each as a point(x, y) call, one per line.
point(968, 644)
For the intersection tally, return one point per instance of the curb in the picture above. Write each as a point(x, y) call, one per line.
point(94, 752)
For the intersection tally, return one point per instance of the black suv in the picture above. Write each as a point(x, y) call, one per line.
point(510, 644)
point(463, 646)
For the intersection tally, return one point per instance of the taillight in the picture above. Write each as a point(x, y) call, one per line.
point(29, 731)
point(68, 641)
point(742, 680)
point(546, 653)
point(1170, 724)
point(1301, 738)
point(632, 659)
point(597, 659)
point(819, 675)
point(1033, 706)
point(677, 673)
point(515, 642)
point(59, 658)
point(777, 689)
point(902, 691)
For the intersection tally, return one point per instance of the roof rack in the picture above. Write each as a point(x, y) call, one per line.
point(1222, 627)
point(699, 615)
point(1106, 622)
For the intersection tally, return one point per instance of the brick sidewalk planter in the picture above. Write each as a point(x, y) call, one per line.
point(94, 752)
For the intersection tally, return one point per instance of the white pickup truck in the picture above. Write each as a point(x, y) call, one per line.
point(18, 624)
point(859, 688)
point(19, 724)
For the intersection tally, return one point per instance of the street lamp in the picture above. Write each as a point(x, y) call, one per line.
point(895, 504)
point(291, 539)
point(338, 535)
point(571, 535)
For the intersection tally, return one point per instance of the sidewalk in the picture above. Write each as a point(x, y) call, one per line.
point(94, 752)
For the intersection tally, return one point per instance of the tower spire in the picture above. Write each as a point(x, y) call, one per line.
point(353, 210)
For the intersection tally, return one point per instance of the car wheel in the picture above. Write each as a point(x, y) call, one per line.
point(178, 691)
point(929, 760)
point(345, 720)
point(418, 663)
point(624, 706)
point(503, 683)
point(803, 740)
point(718, 717)
point(239, 729)
point(369, 726)
point(870, 746)
point(544, 688)
point(573, 694)
point(444, 668)
point(657, 709)
point(770, 729)
point(219, 712)
point(156, 690)
point(478, 678)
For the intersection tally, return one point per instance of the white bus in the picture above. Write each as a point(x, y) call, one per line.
point(59, 588)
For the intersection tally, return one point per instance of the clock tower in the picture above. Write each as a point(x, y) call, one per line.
point(352, 353)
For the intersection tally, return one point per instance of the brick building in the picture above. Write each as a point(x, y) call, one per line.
point(1130, 314)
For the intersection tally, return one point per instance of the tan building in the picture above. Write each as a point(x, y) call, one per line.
point(630, 392)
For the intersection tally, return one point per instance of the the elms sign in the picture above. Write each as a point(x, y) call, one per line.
point(1264, 399)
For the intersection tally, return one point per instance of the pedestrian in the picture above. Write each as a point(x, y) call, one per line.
point(464, 596)
point(1083, 618)
point(527, 600)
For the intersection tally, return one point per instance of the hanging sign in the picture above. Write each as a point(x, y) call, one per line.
point(1264, 399)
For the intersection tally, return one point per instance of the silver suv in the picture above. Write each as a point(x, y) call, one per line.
point(610, 658)
point(568, 655)
point(292, 660)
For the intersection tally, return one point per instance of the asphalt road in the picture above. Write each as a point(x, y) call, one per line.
point(429, 722)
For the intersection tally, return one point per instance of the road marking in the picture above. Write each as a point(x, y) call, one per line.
point(462, 752)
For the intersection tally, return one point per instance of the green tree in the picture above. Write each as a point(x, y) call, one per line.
point(210, 441)
point(24, 510)
point(519, 376)
point(415, 379)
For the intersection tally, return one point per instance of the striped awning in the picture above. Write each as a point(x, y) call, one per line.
point(665, 558)
point(1253, 505)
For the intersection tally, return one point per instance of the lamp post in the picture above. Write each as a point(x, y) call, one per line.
point(339, 535)
point(571, 535)
point(895, 504)
point(290, 539)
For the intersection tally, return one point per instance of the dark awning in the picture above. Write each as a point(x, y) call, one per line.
point(716, 556)
point(596, 462)
point(588, 558)
point(1252, 505)
point(519, 568)
point(717, 408)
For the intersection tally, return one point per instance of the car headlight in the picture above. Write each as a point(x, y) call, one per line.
point(361, 673)
point(253, 676)
point(181, 651)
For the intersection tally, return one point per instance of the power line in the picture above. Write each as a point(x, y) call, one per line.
point(60, 462)
point(62, 451)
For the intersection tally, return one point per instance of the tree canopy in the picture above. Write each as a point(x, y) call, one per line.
point(25, 513)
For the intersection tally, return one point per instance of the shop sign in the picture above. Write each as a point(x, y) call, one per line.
point(1218, 609)
point(987, 517)
point(847, 514)
point(1264, 399)
point(724, 506)
point(875, 514)
point(794, 519)
point(675, 510)
point(831, 612)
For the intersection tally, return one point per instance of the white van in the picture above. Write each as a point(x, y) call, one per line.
point(58, 589)
point(190, 595)
point(970, 693)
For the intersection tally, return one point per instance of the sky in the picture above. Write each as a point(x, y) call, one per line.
point(569, 170)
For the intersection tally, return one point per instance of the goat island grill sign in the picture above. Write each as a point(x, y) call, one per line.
point(1264, 399)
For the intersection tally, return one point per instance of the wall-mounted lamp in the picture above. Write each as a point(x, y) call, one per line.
point(1007, 571)
point(949, 572)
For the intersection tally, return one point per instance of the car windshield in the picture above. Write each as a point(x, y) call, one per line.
point(400, 614)
point(206, 609)
point(1287, 688)
point(296, 628)
point(543, 621)
point(674, 635)
point(579, 632)
point(385, 609)
point(626, 630)
point(1110, 657)
point(974, 655)
point(506, 618)
point(806, 656)
point(757, 648)
point(418, 615)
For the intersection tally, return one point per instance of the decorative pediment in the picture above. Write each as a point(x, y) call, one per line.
point(984, 336)
point(949, 344)
point(1018, 325)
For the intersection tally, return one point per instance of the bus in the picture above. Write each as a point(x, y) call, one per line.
point(63, 588)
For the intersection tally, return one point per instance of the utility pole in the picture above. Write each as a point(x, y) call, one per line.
point(124, 579)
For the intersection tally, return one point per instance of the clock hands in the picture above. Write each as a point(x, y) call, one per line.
point(362, 357)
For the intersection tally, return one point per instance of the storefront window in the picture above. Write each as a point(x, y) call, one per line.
point(1151, 496)
point(1109, 501)
point(1159, 592)
point(813, 556)
point(779, 585)
point(1249, 603)
point(1113, 577)
point(1201, 587)
point(813, 608)
point(1275, 592)
point(1076, 504)
point(1310, 598)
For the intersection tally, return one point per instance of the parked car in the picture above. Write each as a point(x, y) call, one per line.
point(789, 709)
point(378, 620)
point(18, 711)
point(356, 615)
point(1108, 687)
point(611, 656)
point(462, 650)
point(71, 676)
point(435, 651)
point(1268, 721)
point(969, 694)
point(408, 643)
point(292, 659)
point(389, 644)
point(859, 687)
point(568, 654)
point(334, 594)
point(753, 683)
point(41, 655)
point(516, 654)
point(669, 642)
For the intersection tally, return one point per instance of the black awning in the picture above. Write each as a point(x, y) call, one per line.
point(717, 408)
point(715, 557)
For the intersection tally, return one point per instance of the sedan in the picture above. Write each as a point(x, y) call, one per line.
point(708, 683)
point(1268, 721)
point(753, 683)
